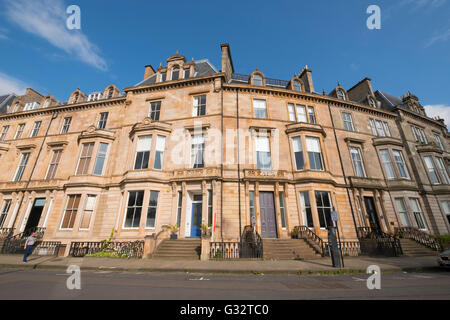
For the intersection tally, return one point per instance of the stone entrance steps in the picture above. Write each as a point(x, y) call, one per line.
point(182, 249)
point(411, 248)
point(288, 249)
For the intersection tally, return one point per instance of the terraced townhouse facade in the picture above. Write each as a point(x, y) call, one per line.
point(191, 145)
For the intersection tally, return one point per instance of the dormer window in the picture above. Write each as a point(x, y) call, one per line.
point(175, 73)
point(95, 96)
point(31, 106)
point(16, 107)
point(75, 97)
point(372, 103)
point(46, 103)
point(163, 76)
point(257, 80)
point(340, 94)
point(297, 86)
point(187, 73)
point(110, 93)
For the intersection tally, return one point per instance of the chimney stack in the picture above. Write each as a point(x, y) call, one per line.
point(149, 71)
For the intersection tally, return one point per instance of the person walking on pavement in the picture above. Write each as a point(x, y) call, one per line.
point(29, 246)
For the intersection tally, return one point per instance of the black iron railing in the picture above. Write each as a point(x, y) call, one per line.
point(251, 244)
point(125, 249)
point(313, 240)
point(387, 244)
point(15, 243)
point(419, 236)
point(6, 232)
point(41, 248)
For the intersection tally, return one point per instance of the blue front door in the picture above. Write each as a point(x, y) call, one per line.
point(196, 220)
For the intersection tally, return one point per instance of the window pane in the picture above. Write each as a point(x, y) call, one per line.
point(324, 208)
point(301, 113)
point(151, 211)
point(388, 167)
point(291, 112)
point(259, 108)
point(306, 209)
point(398, 158)
point(101, 156)
point(282, 210)
point(431, 170)
point(314, 153)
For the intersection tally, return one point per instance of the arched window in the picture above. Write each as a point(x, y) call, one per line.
point(340, 94)
point(297, 86)
point(175, 73)
point(257, 80)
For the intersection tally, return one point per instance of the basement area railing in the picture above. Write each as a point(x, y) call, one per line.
point(124, 249)
point(386, 244)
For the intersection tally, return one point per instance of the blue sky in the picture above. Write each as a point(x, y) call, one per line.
point(117, 38)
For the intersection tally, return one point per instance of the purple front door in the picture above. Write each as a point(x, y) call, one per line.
point(267, 208)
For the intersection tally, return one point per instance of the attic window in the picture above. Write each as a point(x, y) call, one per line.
point(75, 97)
point(340, 94)
point(257, 80)
point(297, 86)
point(187, 73)
point(110, 93)
point(175, 73)
point(372, 103)
point(46, 103)
point(163, 76)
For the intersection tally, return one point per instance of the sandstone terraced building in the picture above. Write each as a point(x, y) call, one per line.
point(192, 145)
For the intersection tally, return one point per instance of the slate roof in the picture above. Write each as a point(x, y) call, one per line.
point(201, 68)
point(6, 101)
point(388, 101)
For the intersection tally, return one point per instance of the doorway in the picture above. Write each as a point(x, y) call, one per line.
point(35, 214)
point(196, 217)
point(268, 219)
point(372, 213)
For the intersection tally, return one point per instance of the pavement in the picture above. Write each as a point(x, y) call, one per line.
point(303, 267)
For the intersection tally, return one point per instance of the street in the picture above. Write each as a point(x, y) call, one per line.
point(48, 284)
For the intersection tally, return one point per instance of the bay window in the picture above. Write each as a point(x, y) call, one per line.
point(134, 209)
point(143, 147)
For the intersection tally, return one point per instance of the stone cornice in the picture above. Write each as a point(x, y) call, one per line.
point(148, 125)
point(26, 146)
point(93, 133)
point(302, 126)
point(430, 147)
point(387, 141)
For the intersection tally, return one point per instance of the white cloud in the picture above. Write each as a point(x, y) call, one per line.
point(440, 37)
point(440, 110)
point(11, 85)
point(47, 19)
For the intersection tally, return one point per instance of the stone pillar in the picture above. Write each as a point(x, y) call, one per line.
point(206, 239)
point(149, 246)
